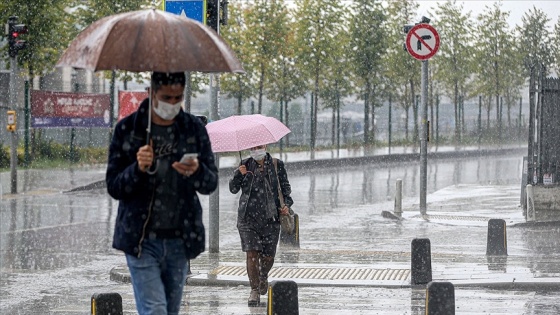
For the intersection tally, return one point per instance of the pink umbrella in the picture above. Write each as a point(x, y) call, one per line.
point(237, 133)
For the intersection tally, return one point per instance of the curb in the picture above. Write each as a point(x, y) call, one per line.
point(204, 279)
point(386, 158)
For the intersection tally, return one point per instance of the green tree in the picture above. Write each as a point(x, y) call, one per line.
point(402, 71)
point(367, 47)
point(535, 47)
point(455, 58)
point(556, 46)
point(319, 22)
point(494, 43)
point(266, 29)
point(286, 81)
point(237, 86)
point(50, 27)
point(535, 40)
point(337, 82)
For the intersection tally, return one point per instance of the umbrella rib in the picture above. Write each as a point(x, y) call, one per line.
point(138, 36)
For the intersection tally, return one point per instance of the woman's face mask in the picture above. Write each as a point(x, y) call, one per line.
point(258, 154)
point(167, 111)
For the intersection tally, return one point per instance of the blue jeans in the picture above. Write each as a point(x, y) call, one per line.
point(158, 276)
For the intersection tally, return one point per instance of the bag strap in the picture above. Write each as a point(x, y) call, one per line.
point(280, 195)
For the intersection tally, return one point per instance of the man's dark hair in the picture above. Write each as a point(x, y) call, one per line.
point(162, 78)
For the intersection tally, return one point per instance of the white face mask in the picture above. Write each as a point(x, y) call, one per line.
point(167, 111)
point(258, 154)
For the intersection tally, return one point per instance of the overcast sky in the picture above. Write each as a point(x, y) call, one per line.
point(517, 8)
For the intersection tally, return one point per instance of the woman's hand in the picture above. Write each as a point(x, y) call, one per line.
point(242, 169)
point(285, 210)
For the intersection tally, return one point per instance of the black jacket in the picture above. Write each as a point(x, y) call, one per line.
point(135, 189)
point(244, 183)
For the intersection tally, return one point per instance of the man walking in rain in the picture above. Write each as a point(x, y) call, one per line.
point(157, 164)
point(258, 214)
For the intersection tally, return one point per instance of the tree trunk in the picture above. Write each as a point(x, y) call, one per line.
point(414, 112)
point(457, 118)
point(261, 88)
point(287, 124)
point(366, 113)
point(333, 123)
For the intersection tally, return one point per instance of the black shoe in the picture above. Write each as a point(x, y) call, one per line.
point(254, 298)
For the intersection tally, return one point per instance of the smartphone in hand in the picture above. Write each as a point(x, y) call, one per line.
point(188, 156)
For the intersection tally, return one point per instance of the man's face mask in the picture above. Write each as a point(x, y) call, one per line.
point(167, 111)
point(258, 154)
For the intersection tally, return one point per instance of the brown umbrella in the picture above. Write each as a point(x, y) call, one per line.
point(150, 40)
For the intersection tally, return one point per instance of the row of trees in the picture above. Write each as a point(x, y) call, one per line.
point(336, 50)
point(339, 49)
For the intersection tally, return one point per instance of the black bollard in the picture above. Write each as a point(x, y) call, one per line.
point(283, 298)
point(420, 261)
point(292, 239)
point(497, 238)
point(106, 304)
point(440, 298)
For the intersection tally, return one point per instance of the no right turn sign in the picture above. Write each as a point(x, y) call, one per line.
point(422, 41)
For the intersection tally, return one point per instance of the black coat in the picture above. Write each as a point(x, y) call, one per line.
point(244, 183)
point(135, 189)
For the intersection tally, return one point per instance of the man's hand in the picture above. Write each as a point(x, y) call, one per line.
point(186, 168)
point(145, 157)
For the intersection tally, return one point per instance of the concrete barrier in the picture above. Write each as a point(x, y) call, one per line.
point(398, 198)
point(106, 304)
point(420, 261)
point(496, 244)
point(440, 298)
point(530, 203)
point(283, 298)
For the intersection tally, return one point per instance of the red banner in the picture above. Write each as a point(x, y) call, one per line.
point(129, 102)
point(62, 109)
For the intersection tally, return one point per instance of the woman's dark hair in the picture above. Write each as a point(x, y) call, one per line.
point(162, 78)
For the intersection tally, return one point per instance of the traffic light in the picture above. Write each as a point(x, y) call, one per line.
point(406, 29)
point(14, 31)
point(11, 121)
point(212, 11)
point(216, 12)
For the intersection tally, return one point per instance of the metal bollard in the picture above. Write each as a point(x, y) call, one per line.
point(283, 298)
point(106, 304)
point(531, 215)
point(497, 238)
point(398, 199)
point(440, 298)
point(420, 261)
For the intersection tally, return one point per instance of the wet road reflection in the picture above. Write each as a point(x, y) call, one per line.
point(64, 240)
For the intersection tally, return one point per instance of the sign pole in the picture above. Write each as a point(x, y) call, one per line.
point(214, 200)
point(424, 140)
point(422, 43)
point(14, 144)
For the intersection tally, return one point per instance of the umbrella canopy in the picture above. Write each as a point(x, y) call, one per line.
point(150, 40)
point(237, 133)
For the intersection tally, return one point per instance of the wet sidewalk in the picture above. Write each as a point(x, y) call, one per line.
point(456, 225)
point(355, 260)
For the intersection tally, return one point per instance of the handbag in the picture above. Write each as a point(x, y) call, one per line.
point(287, 221)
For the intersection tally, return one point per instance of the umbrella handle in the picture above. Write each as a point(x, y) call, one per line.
point(149, 128)
point(240, 159)
point(149, 171)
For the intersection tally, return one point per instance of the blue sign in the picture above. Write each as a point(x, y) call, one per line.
point(193, 9)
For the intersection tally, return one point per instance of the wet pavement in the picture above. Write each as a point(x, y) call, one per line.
point(352, 260)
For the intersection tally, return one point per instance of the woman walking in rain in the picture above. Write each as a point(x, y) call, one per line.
point(258, 214)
